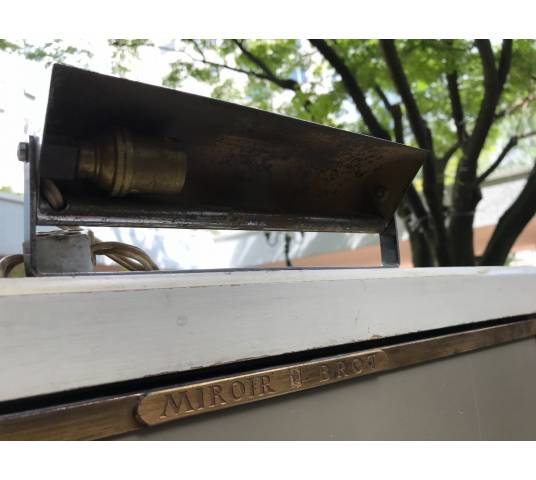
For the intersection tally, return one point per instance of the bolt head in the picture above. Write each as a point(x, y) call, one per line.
point(22, 151)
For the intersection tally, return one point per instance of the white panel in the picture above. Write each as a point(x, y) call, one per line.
point(63, 333)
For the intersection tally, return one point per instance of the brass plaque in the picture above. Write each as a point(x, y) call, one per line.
point(202, 397)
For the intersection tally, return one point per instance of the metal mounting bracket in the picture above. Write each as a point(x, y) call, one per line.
point(389, 249)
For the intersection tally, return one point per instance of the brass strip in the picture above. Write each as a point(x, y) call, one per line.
point(196, 398)
point(92, 420)
point(105, 417)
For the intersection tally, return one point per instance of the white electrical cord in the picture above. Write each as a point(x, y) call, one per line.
point(128, 256)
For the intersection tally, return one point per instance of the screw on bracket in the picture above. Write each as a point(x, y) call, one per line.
point(22, 151)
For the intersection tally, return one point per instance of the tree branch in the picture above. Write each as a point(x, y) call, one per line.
point(420, 246)
point(416, 121)
point(198, 49)
point(396, 114)
point(493, 83)
point(444, 159)
point(224, 66)
point(442, 163)
point(456, 106)
point(512, 223)
point(518, 106)
point(240, 70)
point(398, 125)
point(511, 144)
point(418, 208)
point(352, 86)
point(386, 103)
point(466, 192)
point(504, 63)
point(431, 186)
point(526, 135)
point(485, 117)
point(285, 83)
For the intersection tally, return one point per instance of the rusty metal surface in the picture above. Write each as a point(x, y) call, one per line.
point(247, 168)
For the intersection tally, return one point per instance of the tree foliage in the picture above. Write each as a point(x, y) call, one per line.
point(470, 103)
point(50, 52)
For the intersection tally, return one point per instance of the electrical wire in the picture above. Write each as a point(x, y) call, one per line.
point(127, 256)
point(7, 264)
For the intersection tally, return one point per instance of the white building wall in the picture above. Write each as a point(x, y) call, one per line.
point(11, 223)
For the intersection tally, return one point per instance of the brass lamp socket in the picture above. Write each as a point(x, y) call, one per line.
point(123, 163)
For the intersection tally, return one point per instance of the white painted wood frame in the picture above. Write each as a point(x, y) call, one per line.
point(62, 333)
